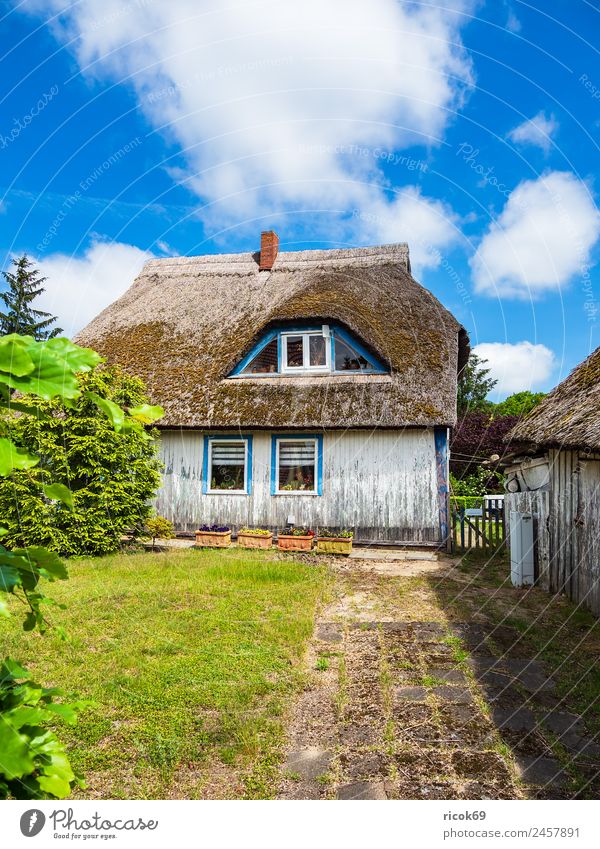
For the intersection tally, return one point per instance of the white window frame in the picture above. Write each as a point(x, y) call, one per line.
point(306, 368)
point(209, 489)
point(301, 492)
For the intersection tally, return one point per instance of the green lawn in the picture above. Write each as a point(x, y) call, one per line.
point(190, 657)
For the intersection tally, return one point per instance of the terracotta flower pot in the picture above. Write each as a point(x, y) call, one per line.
point(255, 540)
point(289, 542)
point(213, 539)
point(334, 545)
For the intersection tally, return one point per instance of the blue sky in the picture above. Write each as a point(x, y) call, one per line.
point(467, 129)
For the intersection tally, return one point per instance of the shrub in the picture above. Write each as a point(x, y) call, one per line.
point(214, 529)
point(157, 527)
point(299, 532)
point(90, 450)
point(256, 532)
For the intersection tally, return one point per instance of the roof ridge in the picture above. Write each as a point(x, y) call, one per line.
point(284, 258)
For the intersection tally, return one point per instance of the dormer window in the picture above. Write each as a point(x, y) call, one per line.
point(310, 351)
point(327, 349)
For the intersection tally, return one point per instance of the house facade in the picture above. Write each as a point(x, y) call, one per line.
point(313, 388)
point(554, 475)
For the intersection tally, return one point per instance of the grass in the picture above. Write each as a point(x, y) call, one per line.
point(190, 657)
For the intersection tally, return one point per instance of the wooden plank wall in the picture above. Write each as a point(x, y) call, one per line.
point(586, 579)
point(382, 484)
point(568, 526)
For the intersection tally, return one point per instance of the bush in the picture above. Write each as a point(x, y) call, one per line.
point(157, 527)
point(255, 532)
point(90, 450)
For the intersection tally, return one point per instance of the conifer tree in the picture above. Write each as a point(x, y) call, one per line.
point(19, 316)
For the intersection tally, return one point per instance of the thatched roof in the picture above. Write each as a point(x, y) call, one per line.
point(569, 416)
point(186, 322)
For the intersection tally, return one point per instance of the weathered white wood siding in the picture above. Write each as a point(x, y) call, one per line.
point(382, 484)
point(568, 526)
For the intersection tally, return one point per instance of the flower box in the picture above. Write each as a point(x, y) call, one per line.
point(293, 542)
point(255, 540)
point(334, 545)
point(213, 539)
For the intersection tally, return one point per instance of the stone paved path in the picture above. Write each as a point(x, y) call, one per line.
point(427, 710)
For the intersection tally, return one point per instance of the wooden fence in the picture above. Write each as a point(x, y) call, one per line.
point(481, 527)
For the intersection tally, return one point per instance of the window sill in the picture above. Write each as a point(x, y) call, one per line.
point(226, 492)
point(297, 492)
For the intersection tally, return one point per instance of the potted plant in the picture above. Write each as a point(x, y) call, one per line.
point(296, 539)
point(213, 536)
point(255, 538)
point(334, 542)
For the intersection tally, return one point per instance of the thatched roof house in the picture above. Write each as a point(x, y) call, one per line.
point(185, 323)
point(569, 416)
point(314, 387)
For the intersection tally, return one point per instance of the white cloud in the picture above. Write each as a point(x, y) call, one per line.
point(77, 289)
point(513, 24)
point(430, 226)
point(542, 238)
point(537, 131)
point(516, 367)
point(273, 104)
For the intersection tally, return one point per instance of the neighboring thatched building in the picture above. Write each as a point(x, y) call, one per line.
point(555, 474)
point(315, 387)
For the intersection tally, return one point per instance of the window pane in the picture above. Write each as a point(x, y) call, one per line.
point(318, 356)
point(295, 356)
point(265, 362)
point(347, 359)
point(228, 465)
point(297, 466)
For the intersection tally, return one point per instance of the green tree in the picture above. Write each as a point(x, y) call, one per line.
point(474, 385)
point(108, 467)
point(33, 762)
point(24, 286)
point(519, 404)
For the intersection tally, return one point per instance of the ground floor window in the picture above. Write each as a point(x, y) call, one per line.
point(297, 465)
point(227, 465)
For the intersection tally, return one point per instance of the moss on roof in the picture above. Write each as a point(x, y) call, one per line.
point(569, 415)
point(185, 323)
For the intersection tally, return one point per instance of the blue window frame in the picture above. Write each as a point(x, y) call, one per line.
point(297, 464)
point(227, 465)
point(328, 349)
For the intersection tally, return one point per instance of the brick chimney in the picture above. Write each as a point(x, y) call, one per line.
point(269, 245)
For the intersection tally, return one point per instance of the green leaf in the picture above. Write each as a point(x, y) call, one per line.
point(11, 669)
point(74, 356)
point(64, 711)
point(52, 376)
point(49, 564)
point(3, 532)
point(10, 578)
point(59, 492)
point(30, 622)
point(111, 410)
point(4, 611)
point(12, 457)
point(146, 413)
point(30, 409)
point(16, 760)
point(14, 357)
